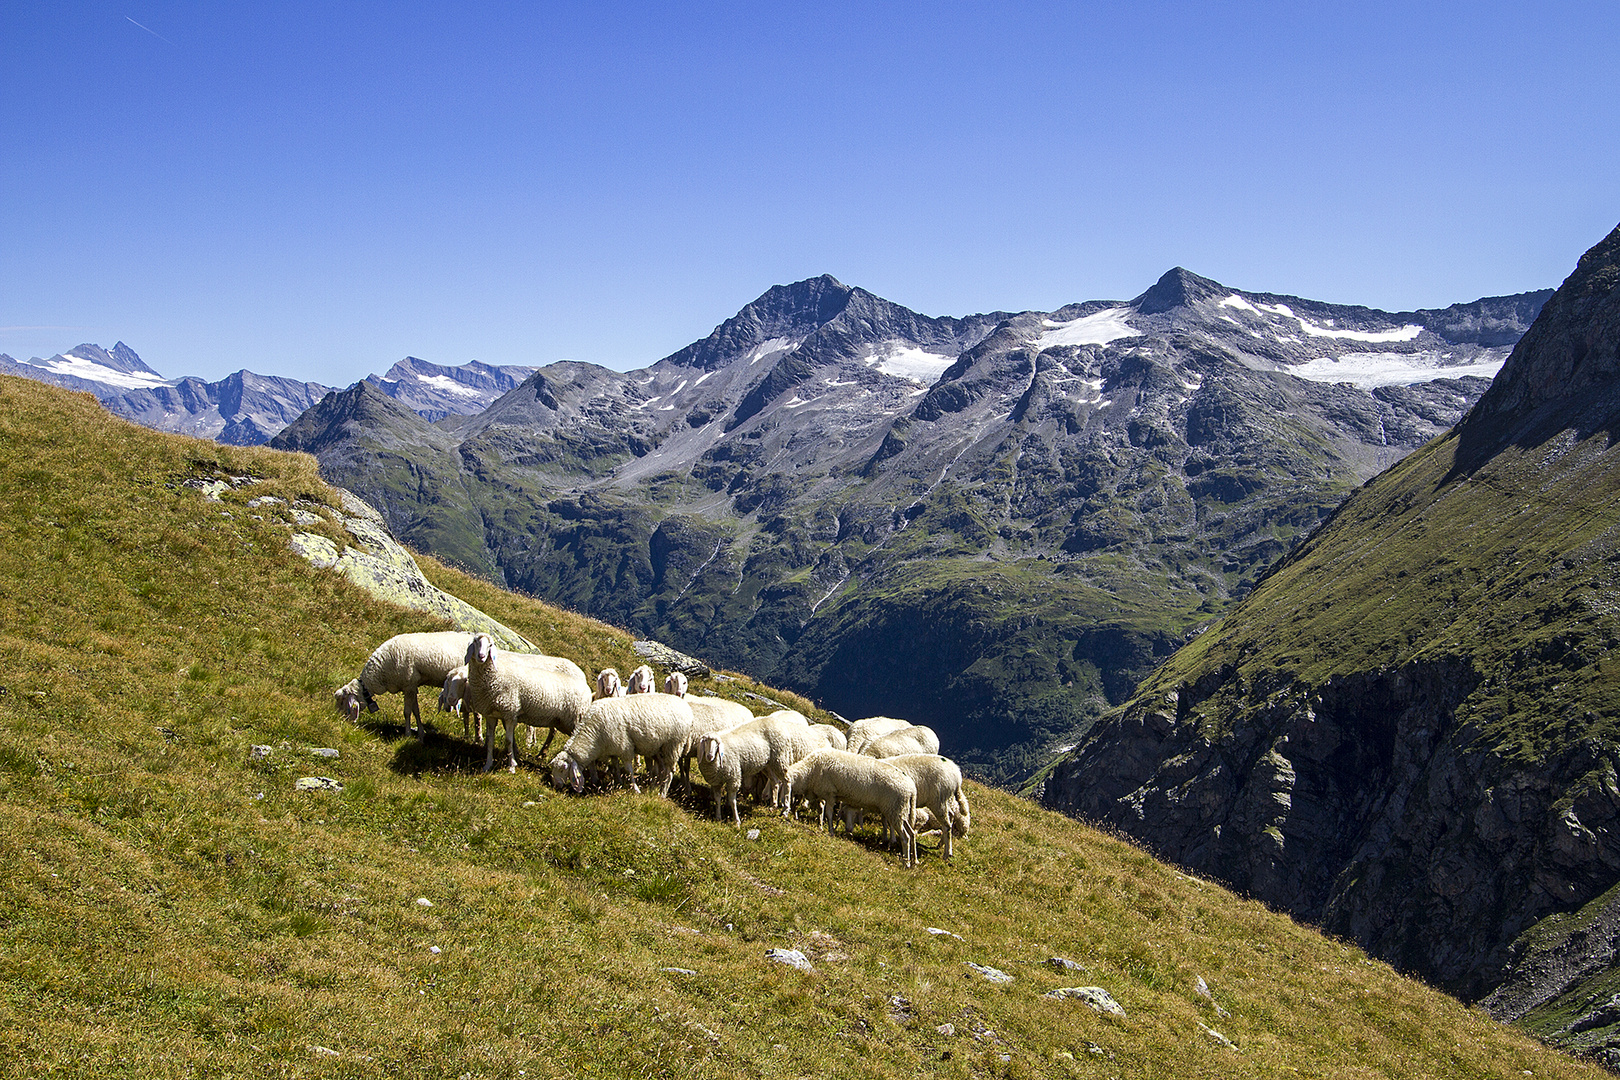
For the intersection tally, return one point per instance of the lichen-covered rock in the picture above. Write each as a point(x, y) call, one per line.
point(380, 565)
point(1094, 996)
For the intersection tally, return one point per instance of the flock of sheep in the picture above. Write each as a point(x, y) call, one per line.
point(887, 767)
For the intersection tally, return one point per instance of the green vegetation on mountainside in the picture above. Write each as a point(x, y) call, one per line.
point(172, 907)
point(1428, 564)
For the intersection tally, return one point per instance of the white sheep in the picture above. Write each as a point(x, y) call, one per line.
point(728, 760)
point(519, 688)
point(675, 683)
point(452, 700)
point(608, 684)
point(939, 789)
point(656, 726)
point(862, 732)
point(400, 665)
point(834, 737)
point(915, 739)
point(640, 681)
point(709, 716)
point(838, 776)
point(452, 697)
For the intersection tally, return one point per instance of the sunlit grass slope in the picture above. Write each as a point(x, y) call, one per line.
point(171, 907)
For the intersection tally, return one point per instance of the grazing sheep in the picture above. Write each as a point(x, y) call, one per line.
point(939, 787)
point(837, 776)
point(400, 665)
point(640, 681)
point(709, 716)
point(728, 760)
point(915, 739)
point(656, 726)
point(862, 732)
point(608, 684)
point(519, 688)
point(675, 683)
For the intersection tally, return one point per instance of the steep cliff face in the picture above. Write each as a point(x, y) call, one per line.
point(1408, 731)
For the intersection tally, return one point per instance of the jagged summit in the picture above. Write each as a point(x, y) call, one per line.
point(1177, 288)
point(782, 313)
point(363, 406)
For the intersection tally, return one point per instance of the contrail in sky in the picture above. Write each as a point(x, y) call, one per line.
point(153, 32)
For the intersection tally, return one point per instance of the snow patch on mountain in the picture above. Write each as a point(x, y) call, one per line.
point(908, 362)
point(1311, 329)
point(771, 347)
point(449, 385)
point(79, 368)
point(1097, 329)
point(1372, 370)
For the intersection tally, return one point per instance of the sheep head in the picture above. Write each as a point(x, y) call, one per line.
point(608, 684)
point(675, 683)
point(481, 650)
point(565, 773)
point(347, 700)
point(711, 750)
point(640, 681)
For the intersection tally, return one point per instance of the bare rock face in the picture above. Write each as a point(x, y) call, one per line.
point(1406, 732)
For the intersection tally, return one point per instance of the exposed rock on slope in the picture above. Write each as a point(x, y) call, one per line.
point(1408, 730)
point(994, 524)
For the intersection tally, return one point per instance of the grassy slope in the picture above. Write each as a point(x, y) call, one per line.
point(171, 907)
point(1511, 567)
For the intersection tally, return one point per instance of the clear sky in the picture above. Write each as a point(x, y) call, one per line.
point(320, 189)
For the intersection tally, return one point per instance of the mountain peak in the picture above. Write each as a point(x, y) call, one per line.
point(1177, 288)
point(1571, 350)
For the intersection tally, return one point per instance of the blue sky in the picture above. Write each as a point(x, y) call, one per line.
point(321, 189)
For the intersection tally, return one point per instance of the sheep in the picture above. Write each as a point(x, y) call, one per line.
point(400, 665)
point(915, 739)
point(857, 780)
point(451, 700)
point(656, 726)
point(608, 684)
point(640, 681)
point(675, 683)
point(835, 738)
point(939, 787)
point(709, 716)
point(862, 732)
point(730, 759)
point(519, 688)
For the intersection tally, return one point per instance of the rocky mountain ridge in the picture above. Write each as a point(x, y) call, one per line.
point(244, 408)
point(994, 524)
point(1406, 732)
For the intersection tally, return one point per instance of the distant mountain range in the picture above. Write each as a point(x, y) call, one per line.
point(244, 408)
point(993, 524)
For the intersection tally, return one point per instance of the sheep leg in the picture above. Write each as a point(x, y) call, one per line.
point(412, 708)
point(511, 744)
point(489, 743)
point(551, 733)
